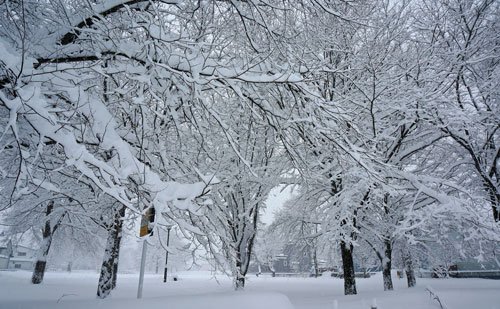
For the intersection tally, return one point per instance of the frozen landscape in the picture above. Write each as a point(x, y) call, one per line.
point(200, 290)
point(289, 138)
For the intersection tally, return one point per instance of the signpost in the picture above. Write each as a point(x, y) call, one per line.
point(146, 229)
point(169, 227)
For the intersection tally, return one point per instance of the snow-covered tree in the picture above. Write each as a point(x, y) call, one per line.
point(461, 40)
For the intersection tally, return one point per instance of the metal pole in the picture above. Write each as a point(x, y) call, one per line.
point(166, 256)
point(143, 263)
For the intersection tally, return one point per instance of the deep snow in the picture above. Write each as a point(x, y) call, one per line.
point(201, 290)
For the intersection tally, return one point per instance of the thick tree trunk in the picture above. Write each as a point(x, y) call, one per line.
point(348, 266)
point(410, 273)
point(41, 263)
point(239, 283)
point(243, 255)
point(239, 280)
point(105, 284)
point(116, 246)
point(495, 203)
point(387, 265)
point(109, 268)
point(315, 261)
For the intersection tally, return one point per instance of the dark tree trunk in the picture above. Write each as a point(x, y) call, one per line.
point(348, 266)
point(244, 249)
point(39, 271)
point(109, 268)
point(496, 213)
point(410, 273)
point(106, 276)
point(239, 283)
point(116, 245)
point(41, 263)
point(387, 265)
point(315, 262)
point(495, 203)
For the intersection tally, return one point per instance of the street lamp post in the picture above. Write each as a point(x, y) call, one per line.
point(166, 256)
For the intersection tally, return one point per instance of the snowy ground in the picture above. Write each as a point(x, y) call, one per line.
point(200, 290)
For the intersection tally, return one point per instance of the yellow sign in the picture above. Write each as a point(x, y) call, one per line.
point(147, 218)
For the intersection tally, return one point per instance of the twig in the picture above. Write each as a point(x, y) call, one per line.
point(434, 296)
point(64, 295)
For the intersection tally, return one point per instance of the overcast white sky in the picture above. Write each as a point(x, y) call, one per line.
point(277, 198)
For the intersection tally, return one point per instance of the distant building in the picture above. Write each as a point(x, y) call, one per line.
point(281, 263)
point(471, 268)
point(294, 259)
point(16, 256)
